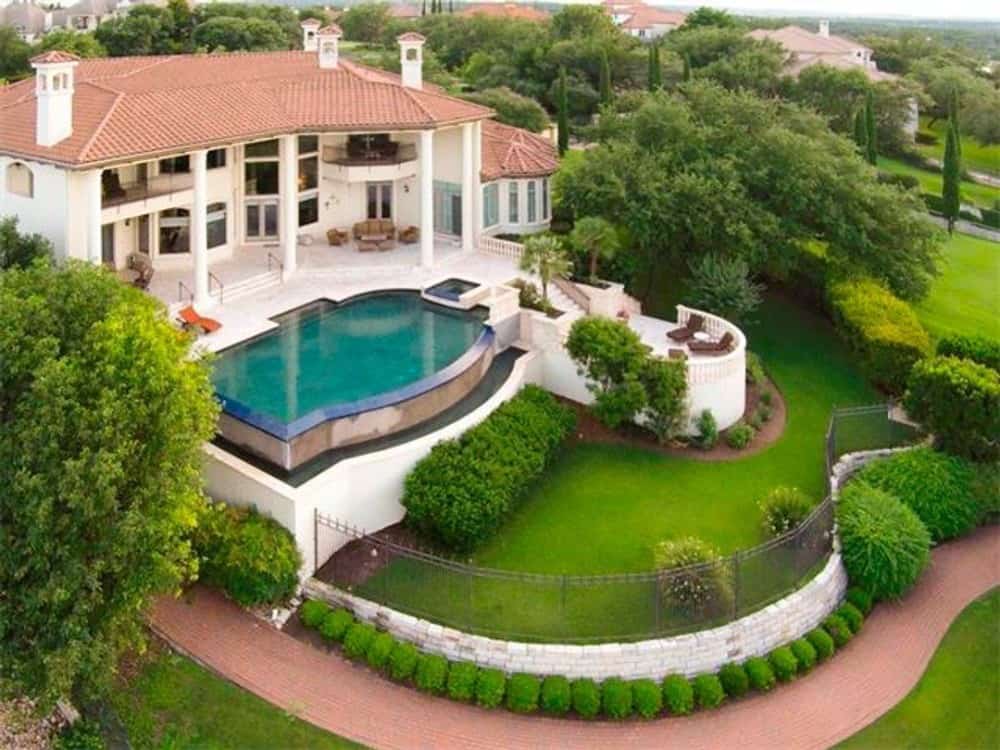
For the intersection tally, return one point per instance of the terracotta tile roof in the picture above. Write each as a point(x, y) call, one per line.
point(645, 16)
point(404, 10)
point(795, 39)
point(506, 10)
point(512, 152)
point(54, 56)
point(309, 22)
point(140, 107)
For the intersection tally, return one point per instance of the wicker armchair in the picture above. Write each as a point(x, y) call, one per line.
point(337, 237)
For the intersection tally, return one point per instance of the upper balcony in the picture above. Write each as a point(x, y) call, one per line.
point(115, 192)
point(368, 158)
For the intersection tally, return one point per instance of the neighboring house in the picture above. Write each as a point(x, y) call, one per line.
point(28, 19)
point(87, 15)
point(643, 21)
point(404, 11)
point(186, 158)
point(506, 10)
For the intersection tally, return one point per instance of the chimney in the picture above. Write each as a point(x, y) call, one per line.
point(411, 59)
point(824, 28)
point(309, 28)
point(53, 96)
point(328, 39)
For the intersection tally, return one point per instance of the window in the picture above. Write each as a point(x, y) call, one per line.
point(216, 158)
point(215, 230)
point(175, 231)
point(512, 197)
point(545, 199)
point(532, 207)
point(175, 165)
point(261, 149)
point(308, 180)
point(491, 205)
point(261, 177)
point(308, 173)
point(20, 180)
point(308, 211)
point(308, 144)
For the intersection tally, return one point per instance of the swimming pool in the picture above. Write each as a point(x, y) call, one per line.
point(333, 373)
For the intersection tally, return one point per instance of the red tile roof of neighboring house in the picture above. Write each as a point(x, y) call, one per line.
point(646, 16)
point(404, 10)
point(129, 108)
point(795, 39)
point(512, 152)
point(506, 10)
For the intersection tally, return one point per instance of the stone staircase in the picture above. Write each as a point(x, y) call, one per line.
point(244, 287)
point(561, 301)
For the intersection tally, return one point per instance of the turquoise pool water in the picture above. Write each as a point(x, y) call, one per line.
point(327, 354)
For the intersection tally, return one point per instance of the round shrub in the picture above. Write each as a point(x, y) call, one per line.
point(647, 697)
point(805, 654)
point(557, 696)
point(335, 624)
point(784, 663)
point(884, 546)
point(739, 436)
point(462, 677)
point(522, 693)
point(860, 599)
point(935, 486)
point(783, 509)
point(491, 686)
point(378, 652)
point(838, 630)
point(734, 680)
point(432, 673)
point(312, 613)
point(403, 661)
point(83, 734)
point(708, 692)
point(985, 351)
point(704, 590)
point(586, 698)
point(616, 698)
point(358, 638)
point(760, 673)
point(678, 695)
point(851, 615)
point(820, 640)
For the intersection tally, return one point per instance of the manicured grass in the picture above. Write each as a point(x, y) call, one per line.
point(965, 298)
point(956, 704)
point(930, 182)
point(975, 156)
point(174, 703)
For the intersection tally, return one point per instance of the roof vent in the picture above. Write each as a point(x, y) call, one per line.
point(53, 96)
point(328, 40)
point(411, 59)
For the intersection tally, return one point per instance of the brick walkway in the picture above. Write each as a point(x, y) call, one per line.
point(870, 676)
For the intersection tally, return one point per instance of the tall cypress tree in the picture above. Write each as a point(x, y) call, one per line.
point(423, 8)
point(861, 133)
point(655, 72)
point(451, 6)
point(953, 117)
point(951, 172)
point(563, 114)
point(686, 75)
point(871, 138)
point(605, 83)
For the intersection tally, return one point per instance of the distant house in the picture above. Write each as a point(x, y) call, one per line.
point(28, 19)
point(404, 11)
point(506, 10)
point(641, 20)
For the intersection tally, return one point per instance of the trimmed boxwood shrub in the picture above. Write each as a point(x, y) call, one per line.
point(251, 557)
point(432, 673)
point(881, 328)
point(358, 638)
point(760, 673)
point(403, 661)
point(805, 654)
point(979, 349)
point(939, 488)
point(586, 698)
point(822, 642)
point(335, 624)
point(312, 613)
point(557, 695)
point(851, 615)
point(647, 698)
point(739, 436)
point(734, 680)
point(708, 692)
point(704, 590)
point(838, 629)
point(522, 693)
point(784, 663)
point(783, 509)
point(678, 695)
point(491, 686)
point(884, 546)
point(462, 676)
point(460, 493)
point(860, 599)
point(378, 652)
point(958, 401)
point(616, 698)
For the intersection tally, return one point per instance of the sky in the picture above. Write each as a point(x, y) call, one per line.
point(958, 9)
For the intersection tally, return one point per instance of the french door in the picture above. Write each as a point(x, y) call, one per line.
point(447, 208)
point(261, 220)
point(379, 200)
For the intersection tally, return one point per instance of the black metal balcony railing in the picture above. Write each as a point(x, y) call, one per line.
point(375, 155)
point(115, 193)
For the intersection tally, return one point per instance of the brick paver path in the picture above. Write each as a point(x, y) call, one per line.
point(870, 676)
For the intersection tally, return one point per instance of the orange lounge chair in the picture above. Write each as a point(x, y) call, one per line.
point(189, 318)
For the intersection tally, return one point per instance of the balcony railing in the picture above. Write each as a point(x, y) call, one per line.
point(387, 153)
point(115, 193)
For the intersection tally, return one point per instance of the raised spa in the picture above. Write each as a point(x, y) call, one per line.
point(334, 374)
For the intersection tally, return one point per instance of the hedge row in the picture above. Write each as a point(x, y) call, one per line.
point(556, 695)
point(985, 351)
point(882, 329)
point(460, 493)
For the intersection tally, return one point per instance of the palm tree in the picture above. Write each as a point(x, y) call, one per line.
point(545, 256)
point(598, 238)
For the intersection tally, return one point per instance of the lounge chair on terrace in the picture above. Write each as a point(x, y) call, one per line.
point(722, 346)
point(676, 354)
point(688, 330)
point(189, 319)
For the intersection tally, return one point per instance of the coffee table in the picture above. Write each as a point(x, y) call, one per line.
point(702, 336)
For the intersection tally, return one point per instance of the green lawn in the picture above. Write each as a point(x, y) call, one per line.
point(174, 704)
point(974, 155)
point(930, 182)
point(956, 704)
point(966, 297)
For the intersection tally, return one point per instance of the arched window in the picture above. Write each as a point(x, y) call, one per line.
point(20, 180)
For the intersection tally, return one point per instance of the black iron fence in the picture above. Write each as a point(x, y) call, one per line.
point(595, 608)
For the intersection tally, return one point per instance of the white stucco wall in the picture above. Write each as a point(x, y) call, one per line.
point(47, 212)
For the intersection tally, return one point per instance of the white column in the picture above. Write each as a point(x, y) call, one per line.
point(93, 182)
point(477, 184)
point(289, 203)
point(468, 195)
point(427, 198)
point(199, 228)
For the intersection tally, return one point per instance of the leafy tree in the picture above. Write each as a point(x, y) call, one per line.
point(14, 54)
point(598, 238)
point(67, 40)
point(612, 358)
point(836, 93)
point(235, 34)
point(605, 82)
point(757, 68)
point(665, 384)
point(145, 30)
point(704, 45)
point(871, 144)
point(367, 22)
point(20, 250)
point(545, 256)
point(581, 21)
point(513, 109)
point(104, 415)
point(705, 16)
point(951, 173)
point(722, 285)
point(563, 114)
